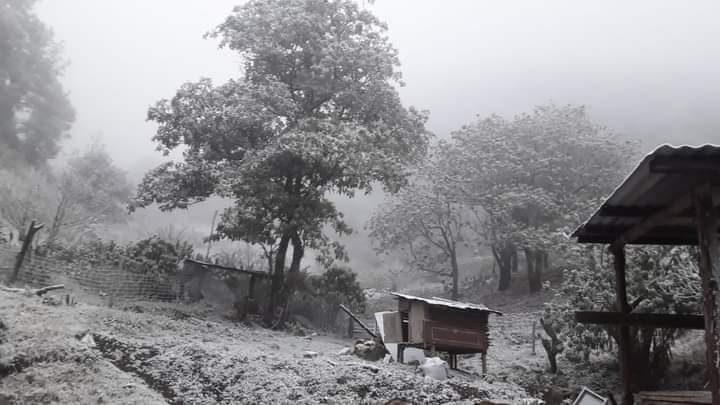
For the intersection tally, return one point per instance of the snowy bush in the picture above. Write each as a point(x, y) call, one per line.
point(659, 280)
point(320, 296)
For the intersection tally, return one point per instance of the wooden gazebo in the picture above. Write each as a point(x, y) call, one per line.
point(671, 198)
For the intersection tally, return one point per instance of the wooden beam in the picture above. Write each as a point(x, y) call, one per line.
point(32, 230)
point(665, 321)
point(679, 165)
point(622, 211)
point(621, 301)
point(679, 240)
point(355, 318)
point(653, 221)
point(662, 235)
point(709, 264)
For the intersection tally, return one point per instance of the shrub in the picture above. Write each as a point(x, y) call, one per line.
point(158, 256)
point(318, 297)
point(659, 280)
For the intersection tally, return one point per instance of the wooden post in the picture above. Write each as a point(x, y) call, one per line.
point(355, 318)
point(209, 241)
point(452, 359)
point(351, 328)
point(483, 358)
point(251, 287)
point(707, 225)
point(621, 301)
point(533, 337)
point(32, 230)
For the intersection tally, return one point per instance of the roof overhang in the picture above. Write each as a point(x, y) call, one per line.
point(442, 302)
point(660, 186)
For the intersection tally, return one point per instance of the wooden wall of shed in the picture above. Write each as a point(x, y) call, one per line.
point(465, 319)
point(419, 313)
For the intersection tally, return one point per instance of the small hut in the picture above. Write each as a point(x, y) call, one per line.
point(671, 198)
point(438, 324)
point(224, 286)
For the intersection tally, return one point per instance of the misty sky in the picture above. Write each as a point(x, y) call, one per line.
point(647, 69)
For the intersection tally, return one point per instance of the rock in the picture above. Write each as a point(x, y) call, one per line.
point(310, 354)
point(369, 350)
point(88, 340)
point(7, 398)
point(435, 368)
point(367, 367)
point(50, 300)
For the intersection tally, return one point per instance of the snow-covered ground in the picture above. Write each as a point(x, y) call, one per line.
point(166, 353)
point(156, 353)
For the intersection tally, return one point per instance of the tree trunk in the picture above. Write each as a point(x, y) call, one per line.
point(291, 280)
point(455, 274)
point(278, 277)
point(536, 261)
point(553, 346)
point(506, 259)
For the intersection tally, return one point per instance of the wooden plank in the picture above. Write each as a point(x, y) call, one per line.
point(392, 327)
point(471, 319)
point(355, 318)
point(448, 337)
point(403, 305)
point(675, 397)
point(416, 321)
point(659, 235)
point(707, 224)
point(666, 321)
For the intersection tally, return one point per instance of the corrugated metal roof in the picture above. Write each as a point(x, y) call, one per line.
point(662, 177)
point(447, 303)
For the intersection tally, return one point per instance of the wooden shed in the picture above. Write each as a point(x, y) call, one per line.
point(438, 324)
point(671, 198)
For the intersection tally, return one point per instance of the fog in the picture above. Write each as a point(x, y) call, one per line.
point(646, 69)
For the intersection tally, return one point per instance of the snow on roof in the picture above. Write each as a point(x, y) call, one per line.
point(447, 303)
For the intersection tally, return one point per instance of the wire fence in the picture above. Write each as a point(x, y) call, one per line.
point(125, 279)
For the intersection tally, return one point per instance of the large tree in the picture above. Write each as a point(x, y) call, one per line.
point(425, 225)
point(91, 192)
point(533, 176)
point(316, 112)
point(35, 113)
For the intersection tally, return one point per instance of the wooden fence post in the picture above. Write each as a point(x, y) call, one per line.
point(32, 230)
point(533, 337)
